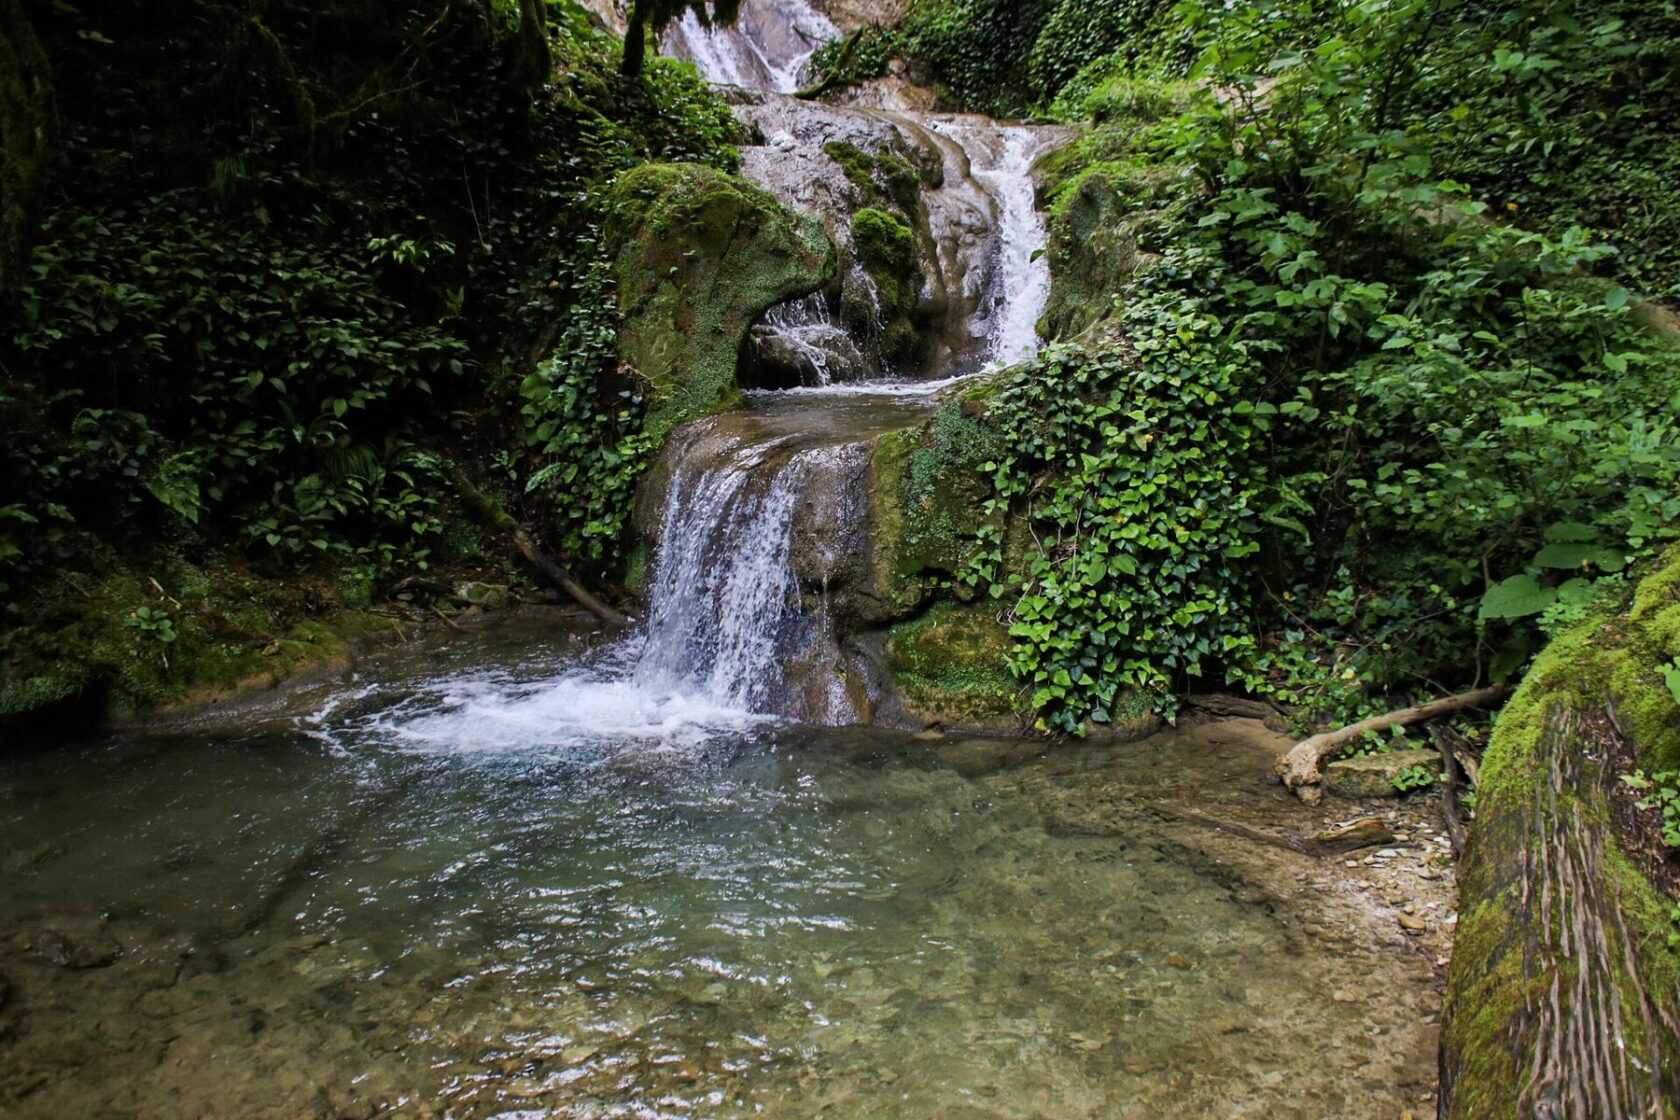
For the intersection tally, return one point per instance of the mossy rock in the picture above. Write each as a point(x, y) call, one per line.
point(886, 251)
point(928, 492)
point(84, 655)
point(881, 179)
point(950, 667)
point(699, 255)
point(1097, 223)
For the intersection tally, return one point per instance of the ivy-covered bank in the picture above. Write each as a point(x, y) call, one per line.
point(1323, 425)
point(294, 270)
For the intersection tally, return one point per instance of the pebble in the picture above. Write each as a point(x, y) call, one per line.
point(1412, 924)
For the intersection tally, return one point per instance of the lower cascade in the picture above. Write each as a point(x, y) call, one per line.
point(729, 618)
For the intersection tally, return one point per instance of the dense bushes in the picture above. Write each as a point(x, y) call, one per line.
point(265, 327)
point(1358, 437)
point(305, 263)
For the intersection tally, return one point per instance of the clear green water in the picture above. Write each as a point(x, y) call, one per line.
point(445, 898)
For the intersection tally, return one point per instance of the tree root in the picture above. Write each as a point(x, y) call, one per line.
point(1302, 768)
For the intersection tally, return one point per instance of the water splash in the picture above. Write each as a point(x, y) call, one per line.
point(802, 337)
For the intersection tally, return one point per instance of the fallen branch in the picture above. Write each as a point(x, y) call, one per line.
point(498, 518)
point(1302, 768)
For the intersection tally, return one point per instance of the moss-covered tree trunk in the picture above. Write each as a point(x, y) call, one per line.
point(28, 125)
point(1563, 999)
point(532, 59)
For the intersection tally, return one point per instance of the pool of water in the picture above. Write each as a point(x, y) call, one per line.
point(476, 882)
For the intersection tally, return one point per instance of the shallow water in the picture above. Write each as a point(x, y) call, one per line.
point(465, 891)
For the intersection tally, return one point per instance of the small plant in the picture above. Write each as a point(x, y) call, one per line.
point(1416, 777)
point(154, 625)
point(1660, 790)
point(1671, 677)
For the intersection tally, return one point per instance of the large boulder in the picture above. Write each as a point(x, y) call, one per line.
point(699, 255)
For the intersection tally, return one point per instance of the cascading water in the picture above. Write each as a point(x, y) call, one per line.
point(723, 588)
point(766, 48)
point(759, 516)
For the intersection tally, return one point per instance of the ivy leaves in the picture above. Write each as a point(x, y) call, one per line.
point(1132, 479)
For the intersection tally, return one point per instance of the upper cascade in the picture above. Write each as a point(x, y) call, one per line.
point(765, 49)
point(933, 214)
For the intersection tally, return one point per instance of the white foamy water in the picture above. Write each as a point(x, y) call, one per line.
point(588, 711)
point(722, 584)
point(1001, 158)
point(874, 387)
point(765, 49)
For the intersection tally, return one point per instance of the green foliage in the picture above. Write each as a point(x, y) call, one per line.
point(1349, 406)
point(300, 257)
point(262, 383)
point(1671, 677)
point(1416, 777)
point(1119, 35)
point(1142, 514)
point(587, 445)
point(1659, 791)
point(153, 624)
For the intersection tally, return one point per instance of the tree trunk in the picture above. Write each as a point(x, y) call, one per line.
point(532, 60)
point(1563, 998)
point(28, 131)
point(498, 518)
point(635, 40)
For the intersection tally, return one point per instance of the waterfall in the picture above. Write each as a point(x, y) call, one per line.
point(722, 584)
point(1019, 298)
point(766, 48)
point(728, 616)
point(763, 521)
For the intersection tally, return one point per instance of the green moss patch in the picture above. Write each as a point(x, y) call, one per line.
point(928, 493)
point(132, 644)
point(886, 251)
point(699, 255)
point(950, 666)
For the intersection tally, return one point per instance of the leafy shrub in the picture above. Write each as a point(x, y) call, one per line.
point(586, 443)
point(1427, 430)
point(1132, 461)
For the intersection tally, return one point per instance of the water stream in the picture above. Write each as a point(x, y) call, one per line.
point(532, 873)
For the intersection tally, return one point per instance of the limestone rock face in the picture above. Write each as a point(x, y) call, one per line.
point(699, 256)
point(1373, 775)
